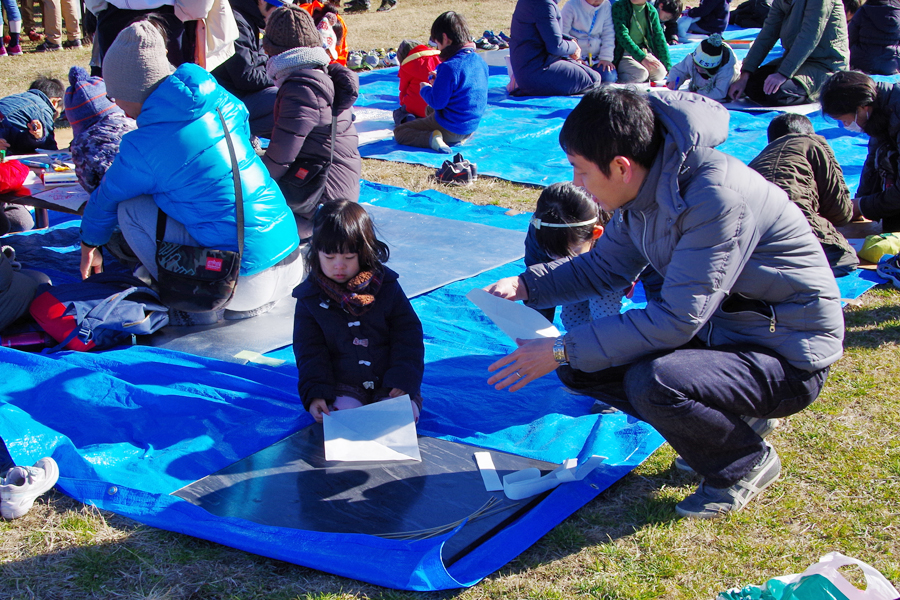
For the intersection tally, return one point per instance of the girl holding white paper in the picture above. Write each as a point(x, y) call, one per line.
point(357, 339)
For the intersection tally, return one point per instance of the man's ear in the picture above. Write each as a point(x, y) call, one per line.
point(622, 168)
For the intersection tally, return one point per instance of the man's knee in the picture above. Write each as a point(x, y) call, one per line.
point(655, 381)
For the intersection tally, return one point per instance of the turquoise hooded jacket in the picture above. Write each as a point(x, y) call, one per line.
point(179, 155)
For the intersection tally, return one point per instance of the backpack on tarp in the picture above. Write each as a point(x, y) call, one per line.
point(104, 310)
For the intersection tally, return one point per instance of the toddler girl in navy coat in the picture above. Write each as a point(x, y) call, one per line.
point(357, 339)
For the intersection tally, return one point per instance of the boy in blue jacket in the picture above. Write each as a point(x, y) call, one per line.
point(26, 120)
point(457, 97)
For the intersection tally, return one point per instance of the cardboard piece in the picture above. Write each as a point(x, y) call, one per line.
point(515, 320)
point(380, 432)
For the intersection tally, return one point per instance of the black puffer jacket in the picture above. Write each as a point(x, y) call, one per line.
point(303, 127)
point(383, 348)
point(245, 72)
point(875, 37)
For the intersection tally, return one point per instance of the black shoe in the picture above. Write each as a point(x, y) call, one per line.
point(353, 7)
point(457, 172)
point(386, 5)
point(48, 47)
point(72, 44)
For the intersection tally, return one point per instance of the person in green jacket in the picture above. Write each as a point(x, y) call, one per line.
point(813, 34)
point(642, 53)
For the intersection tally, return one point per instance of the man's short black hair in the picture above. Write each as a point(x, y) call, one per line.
point(670, 6)
point(52, 88)
point(454, 25)
point(786, 123)
point(611, 122)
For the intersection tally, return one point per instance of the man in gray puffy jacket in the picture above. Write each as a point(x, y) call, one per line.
point(747, 319)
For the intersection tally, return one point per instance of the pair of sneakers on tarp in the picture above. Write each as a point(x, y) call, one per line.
point(459, 171)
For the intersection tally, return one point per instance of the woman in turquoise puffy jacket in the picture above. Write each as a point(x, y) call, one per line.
point(178, 161)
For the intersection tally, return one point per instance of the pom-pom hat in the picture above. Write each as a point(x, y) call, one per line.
point(709, 53)
point(86, 101)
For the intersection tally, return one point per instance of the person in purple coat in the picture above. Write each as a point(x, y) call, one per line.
point(543, 60)
point(874, 33)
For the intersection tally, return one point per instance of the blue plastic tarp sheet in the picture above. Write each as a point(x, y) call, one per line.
point(517, 139)
point(130, 426)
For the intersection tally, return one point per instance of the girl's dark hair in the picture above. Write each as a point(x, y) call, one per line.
point(845, 92)
point(342, 226)
point(565, 203)
point(454, 25)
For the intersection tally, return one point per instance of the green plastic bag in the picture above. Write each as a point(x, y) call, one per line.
point(821, 581)
point(876, 246)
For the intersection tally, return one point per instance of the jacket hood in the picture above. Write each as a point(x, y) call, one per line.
point(185, 95)
point(424, 50)
point(346, 87)
point(687, 121)
point(882, 16)
point(250, 11)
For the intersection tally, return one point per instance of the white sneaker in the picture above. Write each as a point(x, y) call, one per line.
point(23, 484)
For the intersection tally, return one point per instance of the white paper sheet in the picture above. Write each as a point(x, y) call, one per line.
point(69, 196)
point(380, 432)
point(515, 320)
point(373, 124)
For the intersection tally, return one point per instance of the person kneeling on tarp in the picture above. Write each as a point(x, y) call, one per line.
point(748, 316)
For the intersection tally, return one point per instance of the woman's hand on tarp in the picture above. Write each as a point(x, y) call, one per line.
point(511, 288)
point(91, 261)
point(532, 360)
point(318, 408)
point(773, 83)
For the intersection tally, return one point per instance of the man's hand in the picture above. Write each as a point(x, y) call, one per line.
point(857, 212)
point(510, 288)
point(736, 91)
point(317, 407)
point(423, 85)
point(773, 83)
point(651, 63)
point(532, 360)
point(36, 129)
point(91, 261)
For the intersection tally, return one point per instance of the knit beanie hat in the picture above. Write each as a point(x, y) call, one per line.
point(290, 27)
point(86, 101)
point(709, 53)
point(136, 63)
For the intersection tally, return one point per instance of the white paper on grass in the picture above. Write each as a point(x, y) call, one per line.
point(380, 432)
point(515, 320)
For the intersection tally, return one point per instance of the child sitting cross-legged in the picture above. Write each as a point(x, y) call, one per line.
point(458, 94)
point(590, 23)
point(26, 120)
point(711, 69)
point(567, 222)
point(357, 339)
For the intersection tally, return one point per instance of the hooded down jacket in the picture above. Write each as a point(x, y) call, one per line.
point(739, 262)
point(303, 127)
point(178, 154)
point(874, 33)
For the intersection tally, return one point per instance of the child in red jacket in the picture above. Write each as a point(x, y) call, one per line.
point(417, 63)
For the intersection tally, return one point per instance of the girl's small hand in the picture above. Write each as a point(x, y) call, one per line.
point(605, 65)
point(317, 408)
point(395, 393)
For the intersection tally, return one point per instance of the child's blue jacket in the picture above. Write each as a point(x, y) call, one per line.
point(459, 93)
point(179, 155)
point(20, 109)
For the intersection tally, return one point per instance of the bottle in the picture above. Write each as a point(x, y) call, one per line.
point(37, 339)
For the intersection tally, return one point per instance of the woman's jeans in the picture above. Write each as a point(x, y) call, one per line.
point(695, 396)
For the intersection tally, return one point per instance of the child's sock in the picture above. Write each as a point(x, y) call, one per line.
point(15, 28)
point(438, 144)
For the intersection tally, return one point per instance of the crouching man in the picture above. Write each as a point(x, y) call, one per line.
point(748, 316)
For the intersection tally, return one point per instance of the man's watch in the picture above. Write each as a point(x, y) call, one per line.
point(559, 351)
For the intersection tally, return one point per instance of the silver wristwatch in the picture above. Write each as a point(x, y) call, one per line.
point(559, 351)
